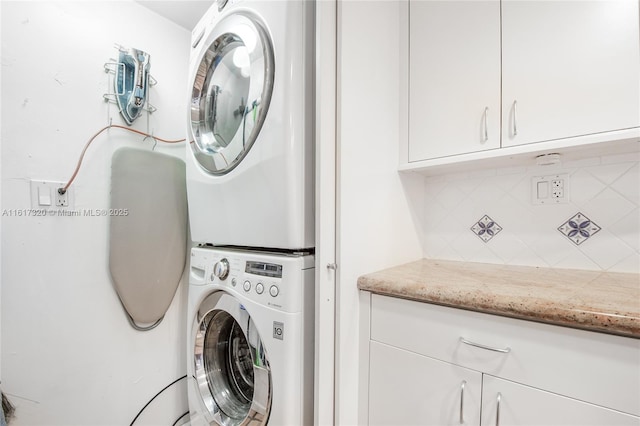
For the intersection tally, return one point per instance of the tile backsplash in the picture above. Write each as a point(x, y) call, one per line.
point(489, 216)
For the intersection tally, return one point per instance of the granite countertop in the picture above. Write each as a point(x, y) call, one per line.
point(599, 301)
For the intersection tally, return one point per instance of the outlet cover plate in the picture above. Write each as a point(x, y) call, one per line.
point(550, 189)
point(45, 196)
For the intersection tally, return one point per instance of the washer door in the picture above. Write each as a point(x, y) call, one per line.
point(231, 367)
point(231, 92)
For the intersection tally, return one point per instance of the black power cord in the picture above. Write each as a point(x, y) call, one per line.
point(179, 418)
point(155, 396)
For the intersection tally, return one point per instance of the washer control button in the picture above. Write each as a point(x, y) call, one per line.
point(247, 285)
point(274, 290)
point(259, 288)
point(234, 282)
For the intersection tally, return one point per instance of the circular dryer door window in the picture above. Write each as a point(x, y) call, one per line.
point(231, 92)
point(231, 366)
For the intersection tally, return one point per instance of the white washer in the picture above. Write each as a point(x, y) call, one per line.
point(250, 338)
point(250, 168)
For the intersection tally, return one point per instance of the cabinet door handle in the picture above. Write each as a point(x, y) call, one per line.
point(515, 118)
point(464, 382)
point(486, 124)
point(498, 409)
point(489, 348)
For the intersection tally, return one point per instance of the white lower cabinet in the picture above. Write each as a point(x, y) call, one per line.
point(435, 365)
point(411, 389)
point(508, 403)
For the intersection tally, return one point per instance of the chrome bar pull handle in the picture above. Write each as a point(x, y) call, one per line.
point(489, 348)
point(486, 124)
point(515, 118)
point(464, 382)
point(498, 409)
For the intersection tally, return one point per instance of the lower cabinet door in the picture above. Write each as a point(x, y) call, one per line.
point(410, 389)
point(506, 403)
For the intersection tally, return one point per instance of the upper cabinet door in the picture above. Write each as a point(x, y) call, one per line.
point(454, 77)
point(569, 68)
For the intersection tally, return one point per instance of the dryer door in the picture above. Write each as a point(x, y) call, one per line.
point(231, 91)
point(231, 366)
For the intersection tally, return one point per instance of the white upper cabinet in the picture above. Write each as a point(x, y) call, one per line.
point(569, 68)
point(454, 77)
point(490, 78)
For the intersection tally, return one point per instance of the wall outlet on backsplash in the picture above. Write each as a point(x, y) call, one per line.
point(550, 189)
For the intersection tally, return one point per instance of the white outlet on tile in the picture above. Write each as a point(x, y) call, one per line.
point(550, 189)
point(45, 195)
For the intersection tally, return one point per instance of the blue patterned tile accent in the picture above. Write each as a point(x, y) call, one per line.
point(579, 228)
point(486, 228)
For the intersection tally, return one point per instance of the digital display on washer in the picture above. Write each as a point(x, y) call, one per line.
point(264, 269)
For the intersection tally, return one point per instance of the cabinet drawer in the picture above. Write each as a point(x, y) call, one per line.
point(598, 368)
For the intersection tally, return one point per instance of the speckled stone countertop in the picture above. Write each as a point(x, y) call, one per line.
point(599, 301)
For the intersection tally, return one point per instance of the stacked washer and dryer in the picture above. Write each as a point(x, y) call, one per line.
point(250, 178)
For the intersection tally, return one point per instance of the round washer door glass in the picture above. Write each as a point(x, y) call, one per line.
point(231, 367)
point(231, 92)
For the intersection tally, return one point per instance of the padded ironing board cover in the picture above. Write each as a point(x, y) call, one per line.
point(148, 244)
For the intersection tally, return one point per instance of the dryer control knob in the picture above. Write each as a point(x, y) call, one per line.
point(221, 269)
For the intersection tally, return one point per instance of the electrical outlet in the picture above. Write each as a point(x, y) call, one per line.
point(557, 193)
point(557, 187)
point(553, 189)
point(62, 200)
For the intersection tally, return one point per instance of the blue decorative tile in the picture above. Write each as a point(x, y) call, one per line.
point(579, 228)
point(486, 228)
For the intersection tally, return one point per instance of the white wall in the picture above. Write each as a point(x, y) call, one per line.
point(376, 227)
point(69, 355)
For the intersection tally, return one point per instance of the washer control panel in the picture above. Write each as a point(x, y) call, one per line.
point(274, 280)
point(265, 269)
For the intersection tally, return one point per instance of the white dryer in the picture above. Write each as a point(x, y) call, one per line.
point(250, 338)
point(250, 171)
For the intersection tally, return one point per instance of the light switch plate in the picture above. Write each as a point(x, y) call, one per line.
point(44, 195)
